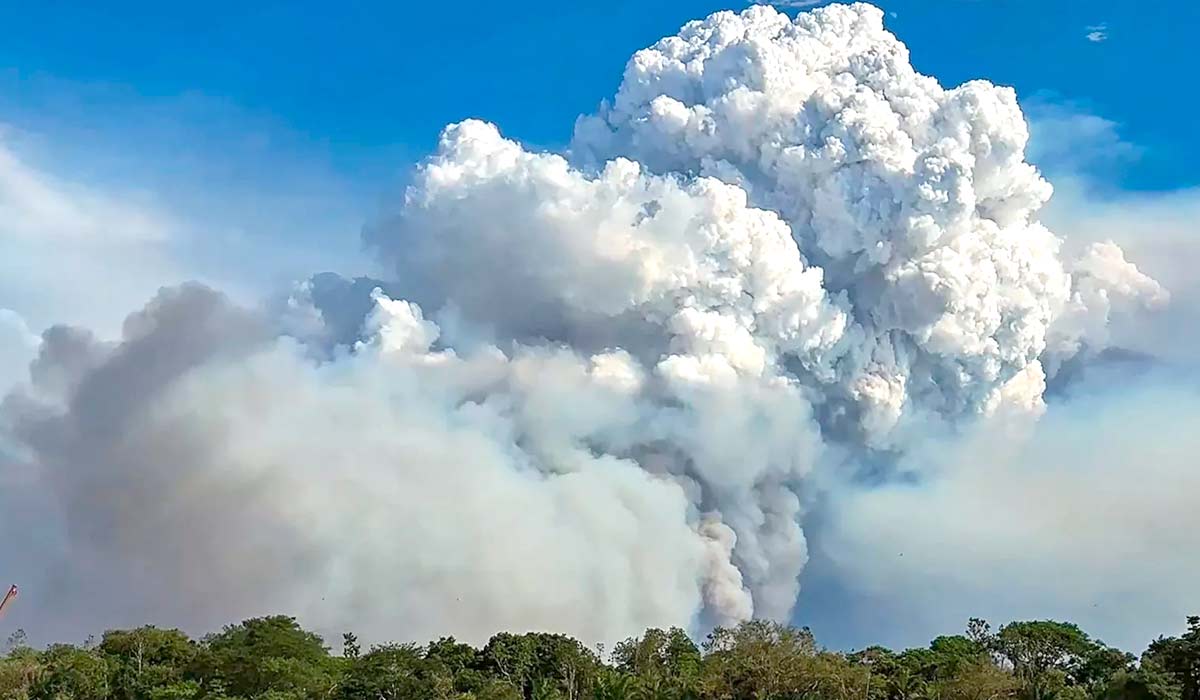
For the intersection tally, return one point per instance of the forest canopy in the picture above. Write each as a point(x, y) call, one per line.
point(274, 658)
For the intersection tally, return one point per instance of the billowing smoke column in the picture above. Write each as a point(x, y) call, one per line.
point(590, 392)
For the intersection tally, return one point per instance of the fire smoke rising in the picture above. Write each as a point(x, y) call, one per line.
point(593, 389)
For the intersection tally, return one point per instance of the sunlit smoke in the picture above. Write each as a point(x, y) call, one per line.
point(591, 392)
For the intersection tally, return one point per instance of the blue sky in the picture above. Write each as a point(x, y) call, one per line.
point(367, 88)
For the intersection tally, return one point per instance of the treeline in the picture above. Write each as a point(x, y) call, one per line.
point(275, 659)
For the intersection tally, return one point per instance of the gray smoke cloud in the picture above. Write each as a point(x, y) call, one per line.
point(18, 347)
point(595, 391)
point(1085, 516)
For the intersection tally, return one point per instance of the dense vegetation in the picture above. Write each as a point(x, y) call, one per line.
point(275, 659)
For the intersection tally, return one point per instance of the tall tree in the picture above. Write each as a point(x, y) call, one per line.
point(267, 653)
point(1180, 657)
point(146, 659)
point(1057, 659)
point(72, 672)
point(388, 672)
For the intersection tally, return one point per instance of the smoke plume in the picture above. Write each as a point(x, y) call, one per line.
point(594, 390)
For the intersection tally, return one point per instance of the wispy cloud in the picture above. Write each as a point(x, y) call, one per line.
point(796, 4)
point(199, 189)
point(61, 235)
point(1067, 138)
point(18, 344)
point(1097, 33)
point(38, 204)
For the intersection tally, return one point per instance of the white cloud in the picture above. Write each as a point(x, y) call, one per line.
point(18, 346)
point(777, 244)
point(198, 189)
point(1079, 516)
point(1089, 519)
point(75, 252)
point(796, 4)
point(404, 490)
point(36, 204)
point(1066, 139)
point(1161, 231)
point(1097, 33)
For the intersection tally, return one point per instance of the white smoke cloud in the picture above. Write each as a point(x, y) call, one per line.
point(403, 484)
point(1075, 517)
point(18, 346)
point(915, 200)
point(1162, 232)
point(593, 390)
point(1087, 518)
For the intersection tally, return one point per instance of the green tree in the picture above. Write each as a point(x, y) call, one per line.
point(457, 662)
point(389, 672)
point(1100, 666)
point(350, 647)
point(669, 653)
point(1044, 655)
point(526, 660)
point(20, 670)
point(1147, 682)
point(949, 654)
point(982, 681)
point(612, 684)
point(73, 673)
point(146, 659)
point(496, 689)
point(183, 690)
point(761, 659)
point(264, 654)
point(512, 658)
point(1180, 657)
